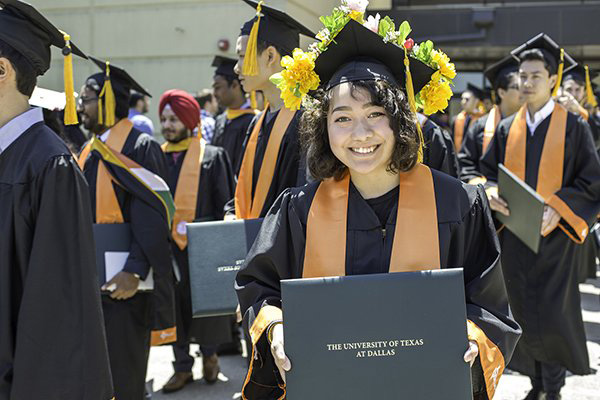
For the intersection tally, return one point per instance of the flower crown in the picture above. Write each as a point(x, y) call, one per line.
point(298, 76)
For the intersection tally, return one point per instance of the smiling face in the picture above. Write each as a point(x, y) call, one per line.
point(359, 131)
point(173, 129)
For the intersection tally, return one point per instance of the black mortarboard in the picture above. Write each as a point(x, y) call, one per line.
point(27, 31)
point(120, 87)
point(577, 73)
point(549, 49)
point(477, 92)
point(224, 66)
point(276, 28)
point(496, 71)
point(357, 53)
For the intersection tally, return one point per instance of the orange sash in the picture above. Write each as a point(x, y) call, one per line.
point(247, 206)
point(550, 171)
point(186, 193)
point(491, 124)
point(236, 113)
point(108, 210)
point(459, 129)
point(416, 241)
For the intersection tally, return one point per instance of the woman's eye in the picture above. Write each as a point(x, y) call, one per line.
point(376, 114)
point(342, 119)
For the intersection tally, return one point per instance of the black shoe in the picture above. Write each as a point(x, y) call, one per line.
point(534, 394)
point(551, 396)
point(178, 381)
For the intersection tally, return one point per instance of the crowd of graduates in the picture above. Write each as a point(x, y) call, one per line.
point(345, 127)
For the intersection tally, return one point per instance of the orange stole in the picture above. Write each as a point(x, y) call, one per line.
point(108, 210)
point(416, 241)
point(459, 129)
point(186, 193)
point(491, 124)
point(550, 172)
point(247, 206)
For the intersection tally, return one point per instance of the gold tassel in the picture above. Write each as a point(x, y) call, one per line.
point(494, 96)
point(561, 67)
point(251, 59)
point(410, 93)
point(591, 98)
point(109, 105)
point(70, 107)
point(253, 102)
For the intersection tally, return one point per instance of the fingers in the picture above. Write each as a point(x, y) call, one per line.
point(497, 203)
point(278, 351)
point(471, 353)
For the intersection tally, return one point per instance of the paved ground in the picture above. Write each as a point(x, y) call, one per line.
point(512, 386)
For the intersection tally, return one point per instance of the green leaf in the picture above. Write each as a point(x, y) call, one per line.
point(404, 30)
point(276, 79)
point(297, 91)
point(386, 25)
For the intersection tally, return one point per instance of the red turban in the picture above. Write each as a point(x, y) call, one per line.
point(183, 105)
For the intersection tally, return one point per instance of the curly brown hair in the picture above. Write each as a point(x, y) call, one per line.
point(323, 164)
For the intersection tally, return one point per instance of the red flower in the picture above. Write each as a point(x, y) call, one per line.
point(408, 44)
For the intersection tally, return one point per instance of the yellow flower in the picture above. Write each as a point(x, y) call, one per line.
point(435, 95)
point(445, 67)
point(357, 16)
point(298, 77)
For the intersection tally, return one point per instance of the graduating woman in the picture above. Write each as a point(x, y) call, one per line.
point(374, 208)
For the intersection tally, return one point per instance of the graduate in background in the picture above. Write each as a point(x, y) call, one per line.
point(202, 181)
point(364, 150)
point(133, 318)
point(504, 77)
point(230, 126)
point(552, 151)
point(52, 343)
point(271, 161)
point(472, 109)
point(438, 149)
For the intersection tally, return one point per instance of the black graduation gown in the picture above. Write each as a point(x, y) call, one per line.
point(471, 150)
point(52, 340)
point(543, 289)
point(467, 239)
point(290, 169)
point(438, 152)
point(468, 122)
point(216, 187)
point(230, 135)
point(129, 322)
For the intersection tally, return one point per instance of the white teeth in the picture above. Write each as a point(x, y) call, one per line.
point(364, 150)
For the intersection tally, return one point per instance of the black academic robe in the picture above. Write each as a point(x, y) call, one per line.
point(230, 135)
point(438, 152)
point(471, 150)
point(52, 340)
point(129, 322)
point(216, 187)
point(467, 239)
point(468, 122)
point(543, 288)
point(290, 169)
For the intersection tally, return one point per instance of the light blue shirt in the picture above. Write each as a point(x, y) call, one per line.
point(141, 122)
point(19, 124)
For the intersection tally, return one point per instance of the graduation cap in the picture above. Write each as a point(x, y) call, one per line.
point(357, 53)
point(114, 85)
point(500, 69)
point(29, 33)
point(555, 56)
point(477, 92)
point(272, 26)
point(224, 66)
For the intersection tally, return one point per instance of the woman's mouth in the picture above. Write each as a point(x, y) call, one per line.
point(364, 149)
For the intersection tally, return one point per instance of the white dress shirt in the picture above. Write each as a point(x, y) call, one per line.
point(539, 116)
point(18, 125)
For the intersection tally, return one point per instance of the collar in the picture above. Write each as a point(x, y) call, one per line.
point(133, 112)
point(18, 125)
point(539, 116)
point(205, 114)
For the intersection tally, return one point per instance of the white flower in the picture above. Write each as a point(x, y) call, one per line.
point(372, 23)
point(391, 36)
point(356, 5)
point(324, 35)
point(314, 48)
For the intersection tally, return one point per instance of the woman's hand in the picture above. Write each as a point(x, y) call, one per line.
point(283, 363)
point(471, 353)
